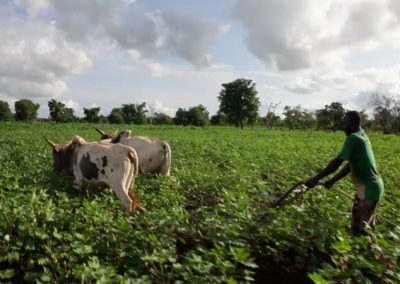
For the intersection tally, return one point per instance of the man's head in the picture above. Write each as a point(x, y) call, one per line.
point(352, 122)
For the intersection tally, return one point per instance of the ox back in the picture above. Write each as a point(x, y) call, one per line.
point(154, 155)
point(115, 165)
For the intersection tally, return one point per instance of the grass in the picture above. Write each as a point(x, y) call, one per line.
point(201, 225)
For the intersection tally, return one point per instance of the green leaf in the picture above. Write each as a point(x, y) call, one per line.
point(317, 279)
point(6, 273)
point(342, 246)
point(56, 234)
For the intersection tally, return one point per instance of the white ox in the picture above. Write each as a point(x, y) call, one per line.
point(114, 165)
point(154, 154)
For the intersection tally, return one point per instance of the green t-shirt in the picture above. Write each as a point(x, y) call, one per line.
point(357, 150)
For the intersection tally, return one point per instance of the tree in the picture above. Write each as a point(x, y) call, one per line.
point(365, 122)
point(309, 120)
point(181, 117)
point(337, 113)
point(292, 116)
point(5, 112)
point(151, 110)
point(60, 113)
point(198, 116)
point(26, 110)
point(298, 118)
point(271, 118)
point(92, 114)
point(386, 112)
point(323, 118)
point(116, 116)
point(161, 118)
point(239, 101)
point(218, 118)
point(134, 113)
point(252, 118)
point(331, 117)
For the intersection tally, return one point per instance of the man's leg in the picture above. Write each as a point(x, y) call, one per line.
point(363, 214)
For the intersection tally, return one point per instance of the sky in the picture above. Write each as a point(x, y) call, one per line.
point(173, 53)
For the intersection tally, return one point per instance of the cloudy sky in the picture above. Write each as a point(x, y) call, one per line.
point(175, 53)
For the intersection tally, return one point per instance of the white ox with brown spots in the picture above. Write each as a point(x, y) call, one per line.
point(114, 165)
point(154, 154)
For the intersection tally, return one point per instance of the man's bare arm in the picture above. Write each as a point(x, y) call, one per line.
point(330, 168)
point(344, 172)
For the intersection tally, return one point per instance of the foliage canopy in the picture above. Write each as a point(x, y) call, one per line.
point(239, 102)
point(26, 110)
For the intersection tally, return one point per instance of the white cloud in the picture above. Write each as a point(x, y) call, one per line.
point(128, 2)
point(85, 19)
point(34, 61)
point(71, 104)
point(32, 7)
point(158, 107)
point(190, 37)
point(157, 70)
point(141, 32)
point(148, 34)
point(292, 35)
point(314, 40)
point(303, 85)
point(352, 89)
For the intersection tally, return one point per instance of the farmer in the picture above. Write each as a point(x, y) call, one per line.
point(361, 163)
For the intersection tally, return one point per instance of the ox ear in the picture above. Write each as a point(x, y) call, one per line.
point(77, 140)
point(100, 131)
point(127, 133)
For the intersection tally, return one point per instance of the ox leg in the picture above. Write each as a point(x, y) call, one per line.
point(165, 169)
point(124, 197)
point(166, 164)
point(79, 185)
point(135, 201)
point(130, 186)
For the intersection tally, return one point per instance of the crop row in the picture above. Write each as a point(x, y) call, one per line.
point(201, 225)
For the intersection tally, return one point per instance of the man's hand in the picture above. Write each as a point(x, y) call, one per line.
point(311, 182)
point(329, 183)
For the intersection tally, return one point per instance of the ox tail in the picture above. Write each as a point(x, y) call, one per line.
point(166, 165)
point(134, 161)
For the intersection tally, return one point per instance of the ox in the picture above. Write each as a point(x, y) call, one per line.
point(154, 154)
point(114, 165)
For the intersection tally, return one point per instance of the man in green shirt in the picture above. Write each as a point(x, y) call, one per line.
point(361, 163)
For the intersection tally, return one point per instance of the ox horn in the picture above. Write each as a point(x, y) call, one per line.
point(51, 143)
point(101, 132)
point(115, 132)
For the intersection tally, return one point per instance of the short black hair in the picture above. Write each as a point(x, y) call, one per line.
point(354, 117)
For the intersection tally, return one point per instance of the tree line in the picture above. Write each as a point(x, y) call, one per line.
point(239, 106)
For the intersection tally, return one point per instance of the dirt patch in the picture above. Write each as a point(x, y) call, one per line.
point(271, 272)
point(186, 241)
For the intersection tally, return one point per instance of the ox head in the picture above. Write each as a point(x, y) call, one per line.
point(106, 135)
point(122, 136)
point(63, 155)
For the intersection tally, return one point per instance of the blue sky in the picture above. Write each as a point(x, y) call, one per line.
point(175, 54)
